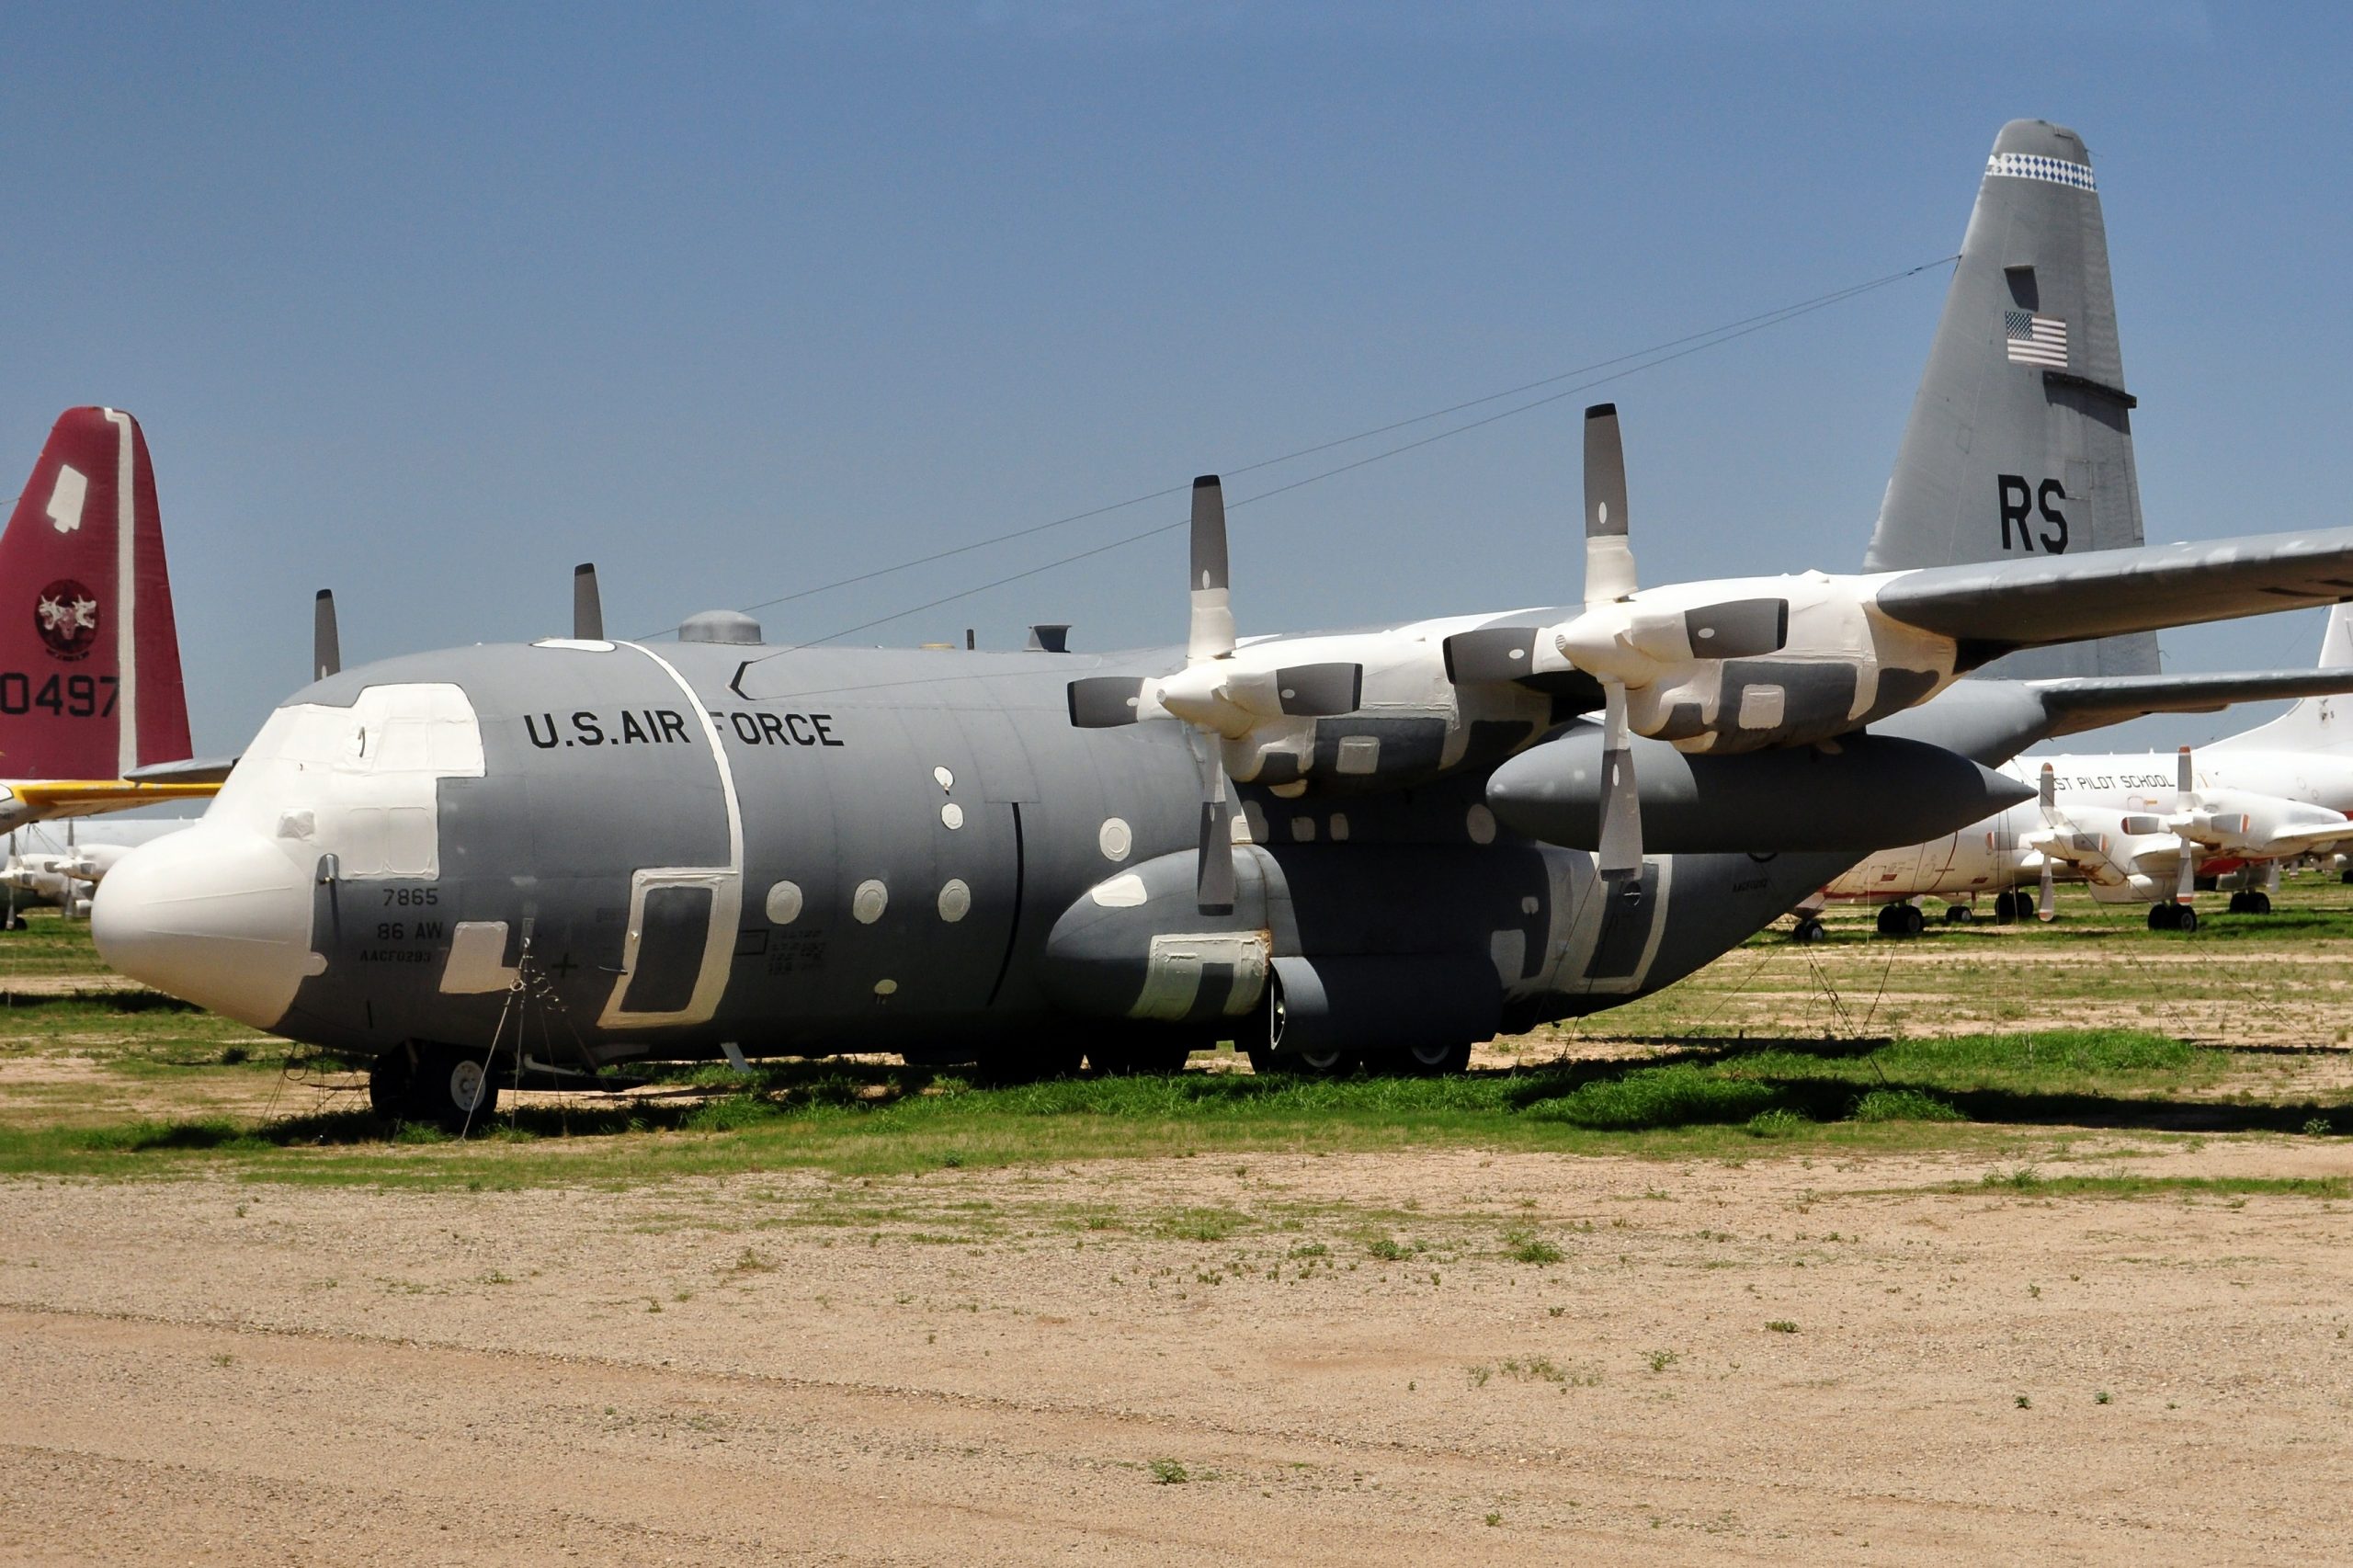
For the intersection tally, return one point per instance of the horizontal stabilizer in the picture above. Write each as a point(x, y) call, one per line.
point(2090, 702)
point(1994, 607)
point(213, 769)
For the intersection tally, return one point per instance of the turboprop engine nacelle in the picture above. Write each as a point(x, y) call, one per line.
point(1871, 792)
point(1744, 664)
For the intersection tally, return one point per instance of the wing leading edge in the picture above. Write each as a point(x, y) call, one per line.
point(1993, 608)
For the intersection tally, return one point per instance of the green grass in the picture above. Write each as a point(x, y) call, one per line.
point(160, 1089)
point(1713, 1100)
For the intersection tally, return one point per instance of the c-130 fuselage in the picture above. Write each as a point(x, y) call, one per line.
point(905, 851)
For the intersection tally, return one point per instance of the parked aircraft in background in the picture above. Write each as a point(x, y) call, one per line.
point(93, 717)
point(61, 863)
point(2140, 826)
point(583, 851)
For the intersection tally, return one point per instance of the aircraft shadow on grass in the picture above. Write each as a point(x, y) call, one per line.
point(776, 1093)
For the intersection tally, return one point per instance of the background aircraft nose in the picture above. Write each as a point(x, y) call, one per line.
point(216, 916)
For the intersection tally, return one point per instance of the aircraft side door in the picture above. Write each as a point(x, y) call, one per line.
point(675, 950)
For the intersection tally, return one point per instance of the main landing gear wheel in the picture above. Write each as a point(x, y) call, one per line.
point(2253, 902)
point(2172, 917)
point(1265, 1062)
point(1428, 1061)
point(1809, 929)
point(1958, 915)
point(2007, 908)
point(424, 1081)
point(1900, 920)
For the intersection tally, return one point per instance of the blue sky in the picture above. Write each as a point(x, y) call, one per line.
point(429, 303)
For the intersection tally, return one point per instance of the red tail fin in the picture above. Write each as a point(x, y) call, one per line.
point(89, 659)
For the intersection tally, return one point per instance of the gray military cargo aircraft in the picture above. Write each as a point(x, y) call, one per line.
point(583, 851)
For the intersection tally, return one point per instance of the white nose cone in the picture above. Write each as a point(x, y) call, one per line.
point(216, 916)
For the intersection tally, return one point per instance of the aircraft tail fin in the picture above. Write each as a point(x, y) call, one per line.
point(2316, 723)
point(89, 657)
point(2020, 439)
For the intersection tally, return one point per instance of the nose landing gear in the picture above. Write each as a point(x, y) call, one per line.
point(427, 1081)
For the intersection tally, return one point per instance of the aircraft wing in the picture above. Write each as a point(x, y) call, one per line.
point(2087, 702)
point(1994, 606)
point(27, 800)
point(2302, 840)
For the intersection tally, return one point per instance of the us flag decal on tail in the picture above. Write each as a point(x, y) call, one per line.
point(2035, 340)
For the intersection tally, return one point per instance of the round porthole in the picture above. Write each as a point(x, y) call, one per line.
point(1116, 839)
point(784, 903)
point(955, 901)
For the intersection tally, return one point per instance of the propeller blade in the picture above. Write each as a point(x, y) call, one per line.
point(327, 642)
point(1319, 691)
point(1212, 633)
point(1105, 702)
point(587, 606)
point(1738, 628)
point(1609, 557)
point(1620, 856)
point(2185, 801)
point(2046, 901)
point(1213, 881)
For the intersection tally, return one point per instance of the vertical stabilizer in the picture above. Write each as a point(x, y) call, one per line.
point(2316, 723)
point(2020, 440)
point(89, 658)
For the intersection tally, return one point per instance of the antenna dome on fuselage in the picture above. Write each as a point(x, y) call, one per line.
point(718, 626)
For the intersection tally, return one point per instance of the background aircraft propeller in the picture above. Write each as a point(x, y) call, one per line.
point(2185, 803)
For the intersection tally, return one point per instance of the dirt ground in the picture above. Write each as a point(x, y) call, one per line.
point(969, 1367)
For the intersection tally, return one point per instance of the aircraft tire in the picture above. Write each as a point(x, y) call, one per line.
point(392, 1084)
point(2258, 902)
point(1266, 1062)
point(1809, 929)
point(1958, 915)
point(1902, 920)
point(1430, 1060)
point(2005, 909)
point(2185, 919)
point(425, 1081)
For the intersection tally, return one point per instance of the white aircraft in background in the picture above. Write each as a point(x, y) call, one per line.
point(2142, 827)
point(63, 863)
